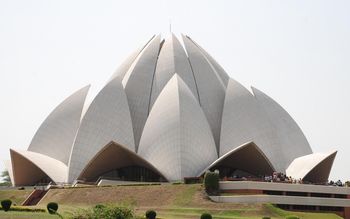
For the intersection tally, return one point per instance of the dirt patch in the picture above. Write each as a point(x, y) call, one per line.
point(153, 195)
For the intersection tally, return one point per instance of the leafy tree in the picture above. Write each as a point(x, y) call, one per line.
point(6, 181)
point(5, 176)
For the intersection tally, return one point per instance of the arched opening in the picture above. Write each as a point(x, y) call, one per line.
point(246, 160)
point(115, 162)
point(26, 173)
point(131, 173)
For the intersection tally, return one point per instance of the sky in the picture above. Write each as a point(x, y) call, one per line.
point(297, 52)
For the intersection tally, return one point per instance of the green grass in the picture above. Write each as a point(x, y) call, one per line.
point(25, 215)
point(16, 196)
point(302, 215)
point(198, 211)
point(185, 198)
point(277, 211)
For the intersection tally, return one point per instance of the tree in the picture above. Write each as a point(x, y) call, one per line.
point(5, 176)
point(6, 181)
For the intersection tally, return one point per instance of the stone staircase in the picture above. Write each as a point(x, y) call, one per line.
point(34, 197)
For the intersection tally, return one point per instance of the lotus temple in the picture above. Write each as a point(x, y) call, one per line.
point(169, 112)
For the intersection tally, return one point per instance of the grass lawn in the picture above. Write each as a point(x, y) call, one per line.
point(16, 196)
point(25, 215)
point(302, 215)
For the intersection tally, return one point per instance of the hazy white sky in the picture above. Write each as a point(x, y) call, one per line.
point(297, 52)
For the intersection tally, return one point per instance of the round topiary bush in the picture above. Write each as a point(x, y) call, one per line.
point(6, 204)
point(151, 214)
point(206, 216)
point(52, 207)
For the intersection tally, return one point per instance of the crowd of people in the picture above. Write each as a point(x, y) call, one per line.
point(339, 183)
point(283, 178)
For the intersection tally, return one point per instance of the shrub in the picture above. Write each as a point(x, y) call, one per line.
point(6, 204)
point(105, 212)
point(25, 209)
point(192, 180)
point(292, 217)
point(151, 214)
point(266, 218)
point(176, 183)
point(52, 207)
point(211, 182)
point(206, 216)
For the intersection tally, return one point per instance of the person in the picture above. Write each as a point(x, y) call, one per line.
point(339, 183)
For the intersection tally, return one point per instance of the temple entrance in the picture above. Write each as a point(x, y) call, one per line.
point(229, 172)
point(115, 162)
point(132, 173)
point(245, 161)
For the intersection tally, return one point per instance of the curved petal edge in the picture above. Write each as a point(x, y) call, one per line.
point(56, 134)
point(313, 168)
point(247, 157)
point(37, 166)
point(288, 134)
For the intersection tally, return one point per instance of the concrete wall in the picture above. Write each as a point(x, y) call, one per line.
point(289, 200)
point(284, 187)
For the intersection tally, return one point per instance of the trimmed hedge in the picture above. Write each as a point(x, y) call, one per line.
point(206, 216)
point(25, 209)
point(151, 214)
point(211, 182)
point(292, 217)
point(6, 204)
point(52, 207)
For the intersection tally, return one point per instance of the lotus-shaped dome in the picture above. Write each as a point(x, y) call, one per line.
point(168, 112)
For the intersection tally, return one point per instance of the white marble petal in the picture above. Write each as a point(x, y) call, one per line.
point(172, 58)
point(211, 88)
point(314, 167)
point(107, 119)
point(177, 139)
point(55, 169)
point(56, 134)
point(137, 84)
